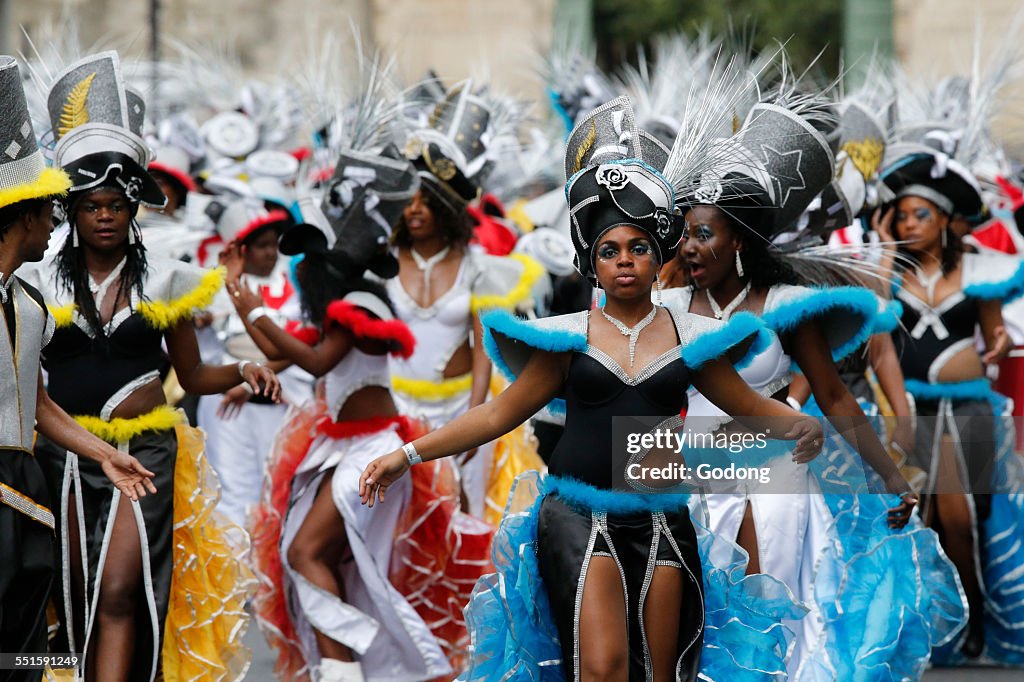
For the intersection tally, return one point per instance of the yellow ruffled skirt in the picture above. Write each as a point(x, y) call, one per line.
point(210, 585)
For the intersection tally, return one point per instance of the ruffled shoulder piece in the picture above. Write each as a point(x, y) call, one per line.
point(176, 291)
point(888, 318)
point(350, 313)
point(704, 338)
point(993, 276)
point(847, 314)
point(510, 340)
point(42, 276)
point(504, 282)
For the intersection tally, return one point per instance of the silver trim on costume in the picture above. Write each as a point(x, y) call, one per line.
point(125, 391)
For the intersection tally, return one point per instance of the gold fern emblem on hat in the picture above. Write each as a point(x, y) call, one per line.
point(585, 145)
point(75, 112)
point(865, 154)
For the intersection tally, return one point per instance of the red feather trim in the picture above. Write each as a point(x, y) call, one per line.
point(182, 177)
point(363, 326)
point(362, 427)
point(275, 216)
point(308, 335)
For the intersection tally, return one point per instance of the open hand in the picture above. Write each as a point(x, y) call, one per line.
point(255, 374)
point(881, 223)
point(244, 298)
point(380, 474)
point(128, 475)
point(232, 401)
point(232, 258)
point(809, 437)
point(1001, 346)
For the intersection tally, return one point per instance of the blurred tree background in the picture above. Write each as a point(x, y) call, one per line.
point(809, 26)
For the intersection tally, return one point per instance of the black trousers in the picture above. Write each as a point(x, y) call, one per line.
point(27, 565)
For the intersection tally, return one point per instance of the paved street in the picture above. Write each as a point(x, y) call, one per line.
point(263, 666)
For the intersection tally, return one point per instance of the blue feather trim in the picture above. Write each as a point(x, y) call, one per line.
point(761, 343)
point(715, 344)
point(586, 497)
point(507, 324)
point(852, 300)
point(975, 389)
point(1008, 290)
point(889, 319)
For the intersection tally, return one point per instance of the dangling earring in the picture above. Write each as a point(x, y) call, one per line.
point(74, 237)
point(739, 265)
point(945, 239)
point(132, 237)
point(657, 295)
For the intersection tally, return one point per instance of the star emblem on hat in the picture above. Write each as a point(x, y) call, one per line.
point(779, 165)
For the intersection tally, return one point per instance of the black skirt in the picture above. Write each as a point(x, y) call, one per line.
point(568, 537)
point(157, 451)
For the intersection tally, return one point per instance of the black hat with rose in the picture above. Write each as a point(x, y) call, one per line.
point(614, 179)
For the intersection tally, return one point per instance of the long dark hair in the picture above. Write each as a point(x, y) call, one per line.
point(320, 283)
point(73, 274)
point(455, 228)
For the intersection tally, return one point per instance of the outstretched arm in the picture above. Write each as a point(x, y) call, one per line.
point(123, 470)
point(278, 344)
point(198, 378)
point(809, 347)
point(540, 381)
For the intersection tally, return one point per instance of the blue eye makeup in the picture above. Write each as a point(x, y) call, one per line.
point(923, 214)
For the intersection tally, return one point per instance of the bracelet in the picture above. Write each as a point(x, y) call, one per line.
point(256, 313)
point(242, 364)
point(794, 403)
point(411, 456)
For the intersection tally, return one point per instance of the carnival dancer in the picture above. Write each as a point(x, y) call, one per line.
point(594, 582)
point(27, 574)
point(963, 442)
point(443, 285)
point(167, 562)
point(241, 426)
point(326, 602)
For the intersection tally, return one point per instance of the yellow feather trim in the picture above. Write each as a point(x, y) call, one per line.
point(166, 314)
point(52, 182)
point(424, 389)
point(63, 315)
point(532, 271)
point(120, 430)
point(75, 112)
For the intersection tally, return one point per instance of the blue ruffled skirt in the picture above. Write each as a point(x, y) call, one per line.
point(886, 597)
point(1002, 564)
point(512, 627)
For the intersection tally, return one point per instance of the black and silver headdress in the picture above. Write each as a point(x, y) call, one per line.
point(371, 183)
point(451, 153)
point(23, 171)
point(97, 125)
point(614, 178)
